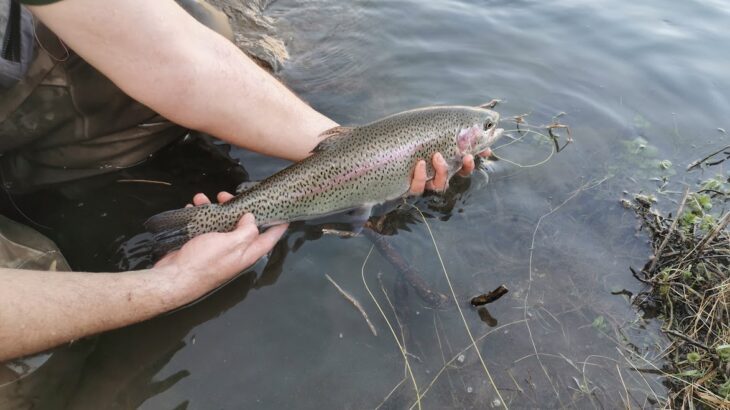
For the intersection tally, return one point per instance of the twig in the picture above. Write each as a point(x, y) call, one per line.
point(354, 302)
point(490, 297)
point(145, 181)
point(700, 161)
point(688, 339)
point(659, 251)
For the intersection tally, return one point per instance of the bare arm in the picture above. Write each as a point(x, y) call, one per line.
point(161, 56)
point(39, 309)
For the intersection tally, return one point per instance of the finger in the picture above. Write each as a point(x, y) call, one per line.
point(246, 231)
point(418, 183)
point(442, 171)
point(468, 166)
point(200, 199)
point(224, 197)
point(266, 241)
point(246, 219)
point(486, 153)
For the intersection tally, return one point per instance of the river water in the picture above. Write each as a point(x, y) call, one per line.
point(638, 83)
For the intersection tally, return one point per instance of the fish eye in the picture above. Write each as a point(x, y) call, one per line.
point(487, 125)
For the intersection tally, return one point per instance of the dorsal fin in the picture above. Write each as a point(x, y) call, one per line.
point(245, 186)
point(490, 104)
point(331, 137)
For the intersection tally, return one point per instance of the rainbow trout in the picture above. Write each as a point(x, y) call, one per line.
point(351, 168)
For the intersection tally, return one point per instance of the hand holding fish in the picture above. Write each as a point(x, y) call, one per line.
point(440, 181)
point(210, 260)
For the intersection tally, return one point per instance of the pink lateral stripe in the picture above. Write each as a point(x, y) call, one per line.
point(379, 161)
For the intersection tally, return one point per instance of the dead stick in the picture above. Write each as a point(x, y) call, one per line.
point(658, 254)
point(423, 289)
point(490, 297)
point(687, 339)
point(145, 181)
point(354, 302)
point(700, 161)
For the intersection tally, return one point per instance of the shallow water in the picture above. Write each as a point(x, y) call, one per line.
point(555, 234)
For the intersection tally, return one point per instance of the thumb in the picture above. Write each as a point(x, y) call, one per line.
point(246, 219)
point(245, 232)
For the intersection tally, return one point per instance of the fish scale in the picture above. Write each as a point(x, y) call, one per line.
point(353, 167)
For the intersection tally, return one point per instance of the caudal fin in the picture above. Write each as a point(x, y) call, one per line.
point(170, 229)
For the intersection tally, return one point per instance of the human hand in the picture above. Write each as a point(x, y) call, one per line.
point(209, 260)
point(440, 181)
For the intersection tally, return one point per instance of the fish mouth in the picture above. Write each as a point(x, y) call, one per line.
point(490, 137)
point(494, 134)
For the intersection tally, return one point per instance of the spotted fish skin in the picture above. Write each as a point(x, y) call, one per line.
point(351, 168)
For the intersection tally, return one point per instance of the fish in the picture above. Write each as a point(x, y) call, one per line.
point(351, 170)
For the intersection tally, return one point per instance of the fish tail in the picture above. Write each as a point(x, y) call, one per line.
point(171, 229)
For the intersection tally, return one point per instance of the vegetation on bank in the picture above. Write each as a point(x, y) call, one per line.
point(689, 284)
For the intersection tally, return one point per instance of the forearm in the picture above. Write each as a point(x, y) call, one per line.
point(164, 58)
point(40, 309)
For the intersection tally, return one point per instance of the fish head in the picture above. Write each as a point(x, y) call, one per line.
point(479, 131)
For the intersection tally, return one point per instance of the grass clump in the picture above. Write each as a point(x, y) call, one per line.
point(689, 285)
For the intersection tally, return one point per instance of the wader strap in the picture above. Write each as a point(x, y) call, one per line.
point(39, 69)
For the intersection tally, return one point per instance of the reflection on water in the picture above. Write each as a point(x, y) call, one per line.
point(639, 82)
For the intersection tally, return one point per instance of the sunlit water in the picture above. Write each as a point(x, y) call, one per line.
point(638, 82)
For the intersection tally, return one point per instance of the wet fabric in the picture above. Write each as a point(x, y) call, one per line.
point(23, 248)
point(65, 120)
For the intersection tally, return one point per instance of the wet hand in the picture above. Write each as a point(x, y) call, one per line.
point(210, 260)
point(440, 181)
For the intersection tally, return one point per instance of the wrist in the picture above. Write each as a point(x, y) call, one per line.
point(167, 287)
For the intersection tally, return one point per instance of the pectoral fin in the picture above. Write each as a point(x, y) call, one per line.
point(332, 137)
point(352, 220)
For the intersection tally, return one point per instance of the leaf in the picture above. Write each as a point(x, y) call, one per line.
point(724, 352)
point(693, 357)
point(690, 373)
